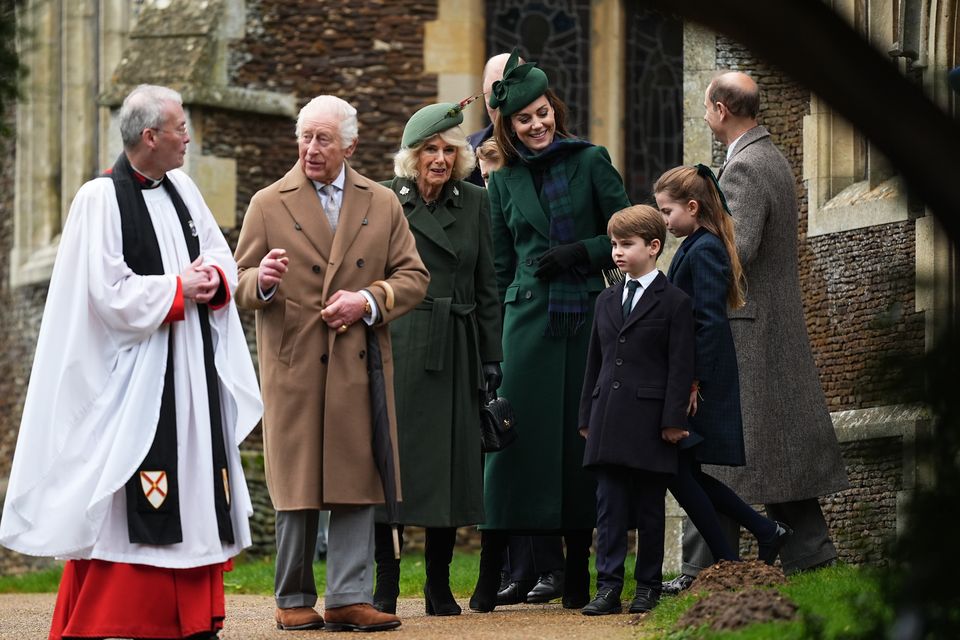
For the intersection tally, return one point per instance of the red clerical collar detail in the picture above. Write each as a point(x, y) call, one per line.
point(144, 181)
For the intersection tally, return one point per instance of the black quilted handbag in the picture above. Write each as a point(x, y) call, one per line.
point(497, 424)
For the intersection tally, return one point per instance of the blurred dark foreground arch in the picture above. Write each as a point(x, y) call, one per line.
point(814, 45)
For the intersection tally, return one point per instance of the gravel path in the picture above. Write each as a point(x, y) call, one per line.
point(27, 617)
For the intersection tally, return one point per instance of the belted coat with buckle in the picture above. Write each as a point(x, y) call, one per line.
point(438, 350)
point(317, 418)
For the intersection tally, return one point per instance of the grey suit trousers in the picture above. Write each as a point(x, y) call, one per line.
point(809, 546)
point(349, 557)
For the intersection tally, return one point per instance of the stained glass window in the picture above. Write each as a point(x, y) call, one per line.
point(555, 34)
point(654, 94)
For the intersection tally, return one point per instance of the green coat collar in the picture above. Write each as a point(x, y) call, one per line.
point(520, 182)
point(430, 224)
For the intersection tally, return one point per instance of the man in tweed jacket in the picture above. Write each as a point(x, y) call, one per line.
point(792, 451)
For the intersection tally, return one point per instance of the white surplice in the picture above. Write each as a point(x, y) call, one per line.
point(93, 402)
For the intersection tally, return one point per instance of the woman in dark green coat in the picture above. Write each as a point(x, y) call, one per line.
point(446, 352)
point(549, 209)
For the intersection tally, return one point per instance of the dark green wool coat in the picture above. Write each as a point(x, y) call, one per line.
point(539, 482)
point(438, 349)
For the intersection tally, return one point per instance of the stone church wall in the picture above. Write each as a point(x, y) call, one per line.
point(858, 297)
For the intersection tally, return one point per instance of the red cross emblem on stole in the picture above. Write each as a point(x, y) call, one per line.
point(154, 485)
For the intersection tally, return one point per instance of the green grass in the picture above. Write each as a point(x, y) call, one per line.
point(833, 602)
point(45, 581)
point(831, 605)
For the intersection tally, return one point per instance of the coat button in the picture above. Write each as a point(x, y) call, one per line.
point(298, 227)
point(362, 353)
point(616, 384)
point(622, 339)
point(528, 295)
point(316, 268)
point(529, 261)
point(619, 361)
point(360, 263)
point(323, 358)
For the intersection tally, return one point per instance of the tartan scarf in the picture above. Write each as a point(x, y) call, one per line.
point(567, 300)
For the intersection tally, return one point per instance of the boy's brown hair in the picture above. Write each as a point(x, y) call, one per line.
point(638, 221)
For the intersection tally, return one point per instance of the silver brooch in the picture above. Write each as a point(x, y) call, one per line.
point(193, 229)
point(404, 190)
point(456, 191)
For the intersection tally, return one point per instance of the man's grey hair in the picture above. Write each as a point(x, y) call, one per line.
point(340, 109)
point(143, 109)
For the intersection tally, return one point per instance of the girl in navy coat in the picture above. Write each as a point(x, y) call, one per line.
point(707, 269)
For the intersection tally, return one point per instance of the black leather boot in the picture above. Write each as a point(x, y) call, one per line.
point(388, 569)
point(492, 545)
point(576, 587)
point(438, 552)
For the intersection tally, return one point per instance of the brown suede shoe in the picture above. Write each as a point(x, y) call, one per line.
point(359, 617)
point(298, 619)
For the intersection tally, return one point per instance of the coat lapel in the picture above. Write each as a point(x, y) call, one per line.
point(526, 199)
point(298, 195)
point(429, 224)
point(612, 305)
point(353, 214)
point(682, 251)
point(648, 301)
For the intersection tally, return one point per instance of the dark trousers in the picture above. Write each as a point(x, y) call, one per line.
point(626, 497)
point(703, 498)
point(809, 546)
point(529, 557)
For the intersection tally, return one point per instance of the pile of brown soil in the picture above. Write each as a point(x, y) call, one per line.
point(725, 610)
point(733, 576)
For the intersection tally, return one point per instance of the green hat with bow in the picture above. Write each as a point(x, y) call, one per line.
point(521, 85)
point(429, 121)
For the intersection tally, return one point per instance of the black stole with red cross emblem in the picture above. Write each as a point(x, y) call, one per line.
point(153, 493)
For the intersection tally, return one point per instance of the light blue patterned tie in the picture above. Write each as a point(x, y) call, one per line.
point(330, 205)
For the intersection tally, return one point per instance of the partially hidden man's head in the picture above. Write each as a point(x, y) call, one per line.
point(153, 126)
point(327, 133)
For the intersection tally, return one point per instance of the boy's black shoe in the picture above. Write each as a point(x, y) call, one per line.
point(681, 583)
point(770, 549)
point(606, 602)
point(645, 600)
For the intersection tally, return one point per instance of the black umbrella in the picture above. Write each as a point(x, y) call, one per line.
point(382, 447)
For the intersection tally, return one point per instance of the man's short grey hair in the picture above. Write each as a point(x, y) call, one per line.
point(143, 109)
point(340, 109)
point(405, 162)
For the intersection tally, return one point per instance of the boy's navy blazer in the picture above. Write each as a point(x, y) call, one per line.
point(638, 378)
point(701, 269)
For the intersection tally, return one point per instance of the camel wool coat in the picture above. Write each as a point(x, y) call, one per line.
point(791, 447)
point(317, 420)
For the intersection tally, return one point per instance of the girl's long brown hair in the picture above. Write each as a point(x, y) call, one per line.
point(686, 183)
point(505, 137)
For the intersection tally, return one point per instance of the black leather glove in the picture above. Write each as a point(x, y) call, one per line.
point(492, 375)
point(560, 258)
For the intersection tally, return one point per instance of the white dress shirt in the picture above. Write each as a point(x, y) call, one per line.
point(645, 281)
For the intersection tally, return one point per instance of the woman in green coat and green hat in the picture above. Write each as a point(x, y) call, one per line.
point(446, 351)
point(549, 208)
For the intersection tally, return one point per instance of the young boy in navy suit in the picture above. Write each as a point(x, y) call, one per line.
point(633, 409)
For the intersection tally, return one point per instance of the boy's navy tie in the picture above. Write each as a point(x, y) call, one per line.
point(628, 301)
